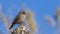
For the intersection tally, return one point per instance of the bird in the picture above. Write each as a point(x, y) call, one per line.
point(19, 18)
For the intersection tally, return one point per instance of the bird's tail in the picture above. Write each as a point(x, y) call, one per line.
point(12, 25)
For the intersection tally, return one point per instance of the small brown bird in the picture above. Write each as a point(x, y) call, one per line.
point(19, 18)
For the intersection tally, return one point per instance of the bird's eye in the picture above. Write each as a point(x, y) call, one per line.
point(23, 12)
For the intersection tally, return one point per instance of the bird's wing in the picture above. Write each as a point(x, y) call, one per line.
point(14, 22)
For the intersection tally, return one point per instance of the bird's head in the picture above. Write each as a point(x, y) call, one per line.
point(22, 12)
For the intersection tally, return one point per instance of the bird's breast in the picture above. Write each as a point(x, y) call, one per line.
point(21, 18)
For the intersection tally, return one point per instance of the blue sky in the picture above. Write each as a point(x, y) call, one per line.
point(40, 7)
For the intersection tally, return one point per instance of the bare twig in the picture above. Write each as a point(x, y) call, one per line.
point(51, 20)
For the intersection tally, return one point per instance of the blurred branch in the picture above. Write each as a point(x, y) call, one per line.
point(4, 20)
point(51, 20)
